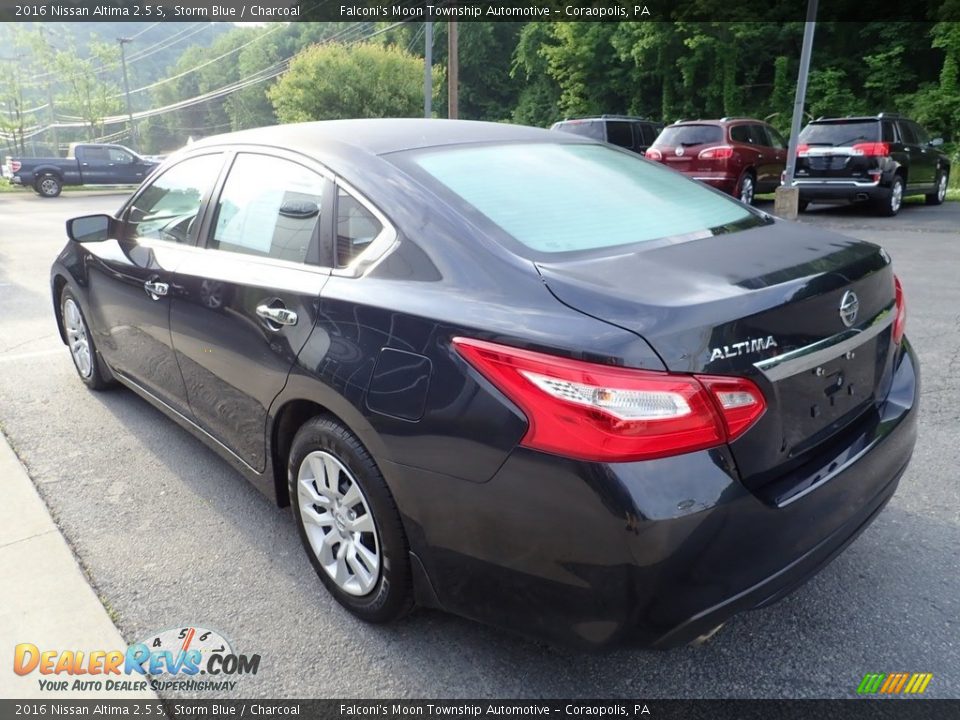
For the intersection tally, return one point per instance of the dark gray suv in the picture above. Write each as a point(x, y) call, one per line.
point(628, 132)
point(879, 159)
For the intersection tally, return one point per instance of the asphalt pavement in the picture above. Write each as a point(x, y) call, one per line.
point(171, 536)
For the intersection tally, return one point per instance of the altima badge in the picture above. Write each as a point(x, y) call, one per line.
point(849, 307)
point(750, 345)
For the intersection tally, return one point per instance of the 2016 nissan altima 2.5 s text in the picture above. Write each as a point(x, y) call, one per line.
point(519, 375)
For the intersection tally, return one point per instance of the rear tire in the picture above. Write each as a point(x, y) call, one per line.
point(940, 194)
point(802, 205)
point(748, 188)
point(90, 367)
point(348, 522)
point(48, 185)
point(890, 203)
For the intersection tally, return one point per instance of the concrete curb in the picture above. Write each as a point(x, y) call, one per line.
point(45, 598)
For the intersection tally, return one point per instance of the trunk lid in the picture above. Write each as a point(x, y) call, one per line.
point(723, 305)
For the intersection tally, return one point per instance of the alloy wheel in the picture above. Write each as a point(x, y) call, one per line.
point(746, 190)
point(896, 196)
point(338, 523)
point(48, 186)
point(942, 188)
point(77, 338)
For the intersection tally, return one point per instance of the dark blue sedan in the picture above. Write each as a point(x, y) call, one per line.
point(519, 375)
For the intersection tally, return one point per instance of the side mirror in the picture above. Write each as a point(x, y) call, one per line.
point(936, 142)
point(90, 228)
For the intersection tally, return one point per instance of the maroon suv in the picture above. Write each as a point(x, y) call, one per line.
point(740, 156)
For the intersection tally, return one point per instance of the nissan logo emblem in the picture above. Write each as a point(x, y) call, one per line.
point(849, 306)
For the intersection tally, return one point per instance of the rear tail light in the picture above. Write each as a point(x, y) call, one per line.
point(874, 149)
point(720, 152)
point(14, 165)
point(597, 412)
point(803, 150)
point(653, 154)
point(900, 319)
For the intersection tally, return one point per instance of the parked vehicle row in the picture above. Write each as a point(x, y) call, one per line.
point(878, 159)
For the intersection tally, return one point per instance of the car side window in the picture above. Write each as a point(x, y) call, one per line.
point(96, 155)
point(120, 157)
point(740, 133)
point(758, 136)
point(357, 227)
point(921, 134)
point(887, 133)
point(776, 139)
point(269, 207)
point(907, 133)
point(620, 133)
point(167, 209)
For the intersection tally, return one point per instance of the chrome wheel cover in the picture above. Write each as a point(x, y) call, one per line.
point(896, 196)
point(77, 338)
point(338, 523)
point(746, 190)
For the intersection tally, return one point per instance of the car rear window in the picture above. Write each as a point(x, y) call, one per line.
point(690, 135)
point(592, 129)
point(840, 134)
point(559, 197)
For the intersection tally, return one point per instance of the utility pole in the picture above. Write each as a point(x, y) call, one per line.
point(126, 89)
point(787, 202)
point(53, 111)
point(428, 69)
point(453, 70)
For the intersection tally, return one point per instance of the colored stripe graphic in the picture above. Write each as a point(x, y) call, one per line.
point(894, 683)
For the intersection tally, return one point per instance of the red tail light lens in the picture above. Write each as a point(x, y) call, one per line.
point(875, 149)
point(653, 154)
point(15, 165)
point(597, 412)
point(900, 320)
point(803, 150)
point(720, 152)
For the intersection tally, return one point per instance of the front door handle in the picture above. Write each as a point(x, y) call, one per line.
point(278, 315)
point(156, 290)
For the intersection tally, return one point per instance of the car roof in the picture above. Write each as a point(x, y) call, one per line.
point(384, 135)
point(721, 121)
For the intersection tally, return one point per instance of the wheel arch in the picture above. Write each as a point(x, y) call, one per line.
point(289, 416)
point(59, 283)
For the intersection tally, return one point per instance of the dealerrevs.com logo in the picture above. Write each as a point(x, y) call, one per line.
point(186, 659)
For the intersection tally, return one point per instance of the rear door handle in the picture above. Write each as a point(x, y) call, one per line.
point(278, 315)
point(156, 290)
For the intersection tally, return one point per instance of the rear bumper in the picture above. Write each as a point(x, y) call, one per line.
point(721, 181)
point(656, 553)
point(16, 180)
point(841, 190)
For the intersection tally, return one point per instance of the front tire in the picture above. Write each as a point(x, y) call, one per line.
point(48, 185)
point(890, 204)
point(348, 522)
point(83, 350)
point(940, 194)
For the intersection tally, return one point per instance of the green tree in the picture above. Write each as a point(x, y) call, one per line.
point(368, 80)
point(86, 92)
